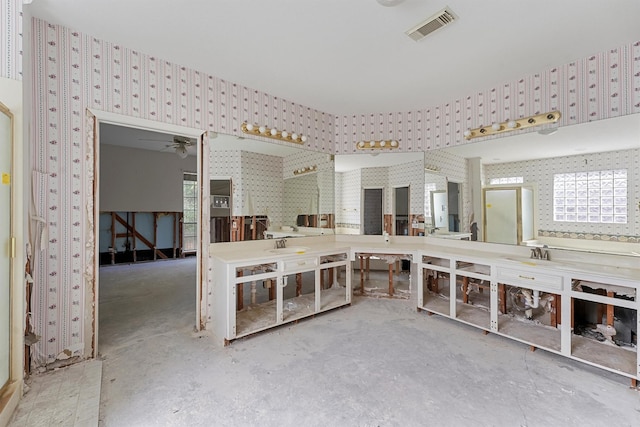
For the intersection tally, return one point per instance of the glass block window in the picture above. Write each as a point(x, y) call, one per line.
point(598, 196)
point(428, 188)
point(507, 180)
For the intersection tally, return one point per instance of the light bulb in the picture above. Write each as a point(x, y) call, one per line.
point(512, 124)
point(361, 144)
point(303, 138)
point(294, 136)
point(496, 126)
point(394, 143)
point(262, 129)
point(249, 127)
point(274, 131)
point(383, 143)
point(284, 134)
point(372, 143)
point(467, 133)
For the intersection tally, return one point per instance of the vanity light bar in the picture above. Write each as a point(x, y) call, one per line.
point(305, 169)
point(273, 133)
point(365, 145)
point(526, 122)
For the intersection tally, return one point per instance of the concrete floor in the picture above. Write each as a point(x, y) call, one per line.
point(376, 363)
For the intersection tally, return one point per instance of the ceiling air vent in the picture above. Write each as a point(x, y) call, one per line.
point(435, 22)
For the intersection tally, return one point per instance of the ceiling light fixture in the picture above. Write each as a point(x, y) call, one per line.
point(273, 133)
point(509, 125)
point(181, 151)
point(384, 144)
point(305, 169)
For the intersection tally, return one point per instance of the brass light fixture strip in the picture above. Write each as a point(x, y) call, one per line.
point(526, 122)
point(305, 169)
point(378, 145)
point(274, 134)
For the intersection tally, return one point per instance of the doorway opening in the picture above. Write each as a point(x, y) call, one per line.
point(454, 197)
point(140, 174)
point(220, 213)
point(372, 215)
point(401, 207)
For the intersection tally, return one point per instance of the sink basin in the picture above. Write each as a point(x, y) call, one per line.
point(289, 250)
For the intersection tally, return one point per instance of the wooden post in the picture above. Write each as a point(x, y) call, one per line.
point(113, 237)
point(180, 234)
point(390, 279)
point(610, 310)
point(465, 288)
point(133, 235)
point(239, 292)
point(502, 298)
point(361, 256)
point(298, 284)
point(175, 232)
point(155, 235)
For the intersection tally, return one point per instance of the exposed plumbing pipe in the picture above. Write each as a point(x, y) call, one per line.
point(532, 297)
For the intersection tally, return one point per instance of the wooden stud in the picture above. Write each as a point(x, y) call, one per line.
point(113, 237)
point(361, 256)
point(390, 280)
point(155, 234)
point(272, 289)
point(465, 287)
point(175, 232)
point(239, 292)
point(298, 284)
point(610, 310)
point(502, 298)
point(532, 348)
point(133, 235)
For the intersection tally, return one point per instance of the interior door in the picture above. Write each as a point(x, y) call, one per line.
point(372, 218)
point(501, 216)
point(401, 211)
point(5, 242)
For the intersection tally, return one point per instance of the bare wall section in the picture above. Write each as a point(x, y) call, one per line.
point(133, 180)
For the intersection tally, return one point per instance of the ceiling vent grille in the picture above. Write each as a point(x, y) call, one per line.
point(437, 21)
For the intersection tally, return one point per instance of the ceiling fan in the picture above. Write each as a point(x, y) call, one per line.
point(180, 145)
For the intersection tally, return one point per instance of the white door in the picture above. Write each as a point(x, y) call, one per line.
point(5, 235)
point(501, 216)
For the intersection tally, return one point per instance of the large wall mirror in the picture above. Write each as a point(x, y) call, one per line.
point(387, 183)
point(575, 188)
point(269, 190)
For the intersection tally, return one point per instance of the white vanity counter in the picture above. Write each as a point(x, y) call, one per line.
point(480, 284)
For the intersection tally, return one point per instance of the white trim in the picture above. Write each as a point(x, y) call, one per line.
point(144, 124)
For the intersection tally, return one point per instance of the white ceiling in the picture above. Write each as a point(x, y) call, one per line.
point(352, 56)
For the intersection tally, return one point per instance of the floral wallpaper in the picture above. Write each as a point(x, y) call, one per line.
point(74, 71)
point(11, 39)
point(600, 86)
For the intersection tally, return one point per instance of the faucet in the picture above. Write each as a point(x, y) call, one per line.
point(537, 253)
point(281, 243)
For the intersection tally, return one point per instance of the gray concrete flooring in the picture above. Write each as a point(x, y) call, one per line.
point(376, 363)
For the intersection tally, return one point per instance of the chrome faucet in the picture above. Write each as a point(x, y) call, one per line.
point(281, 243)
point(537, 253)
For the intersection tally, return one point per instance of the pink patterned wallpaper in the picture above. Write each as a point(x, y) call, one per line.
point(11, 39)
point(74, 71)
point(601, 86)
